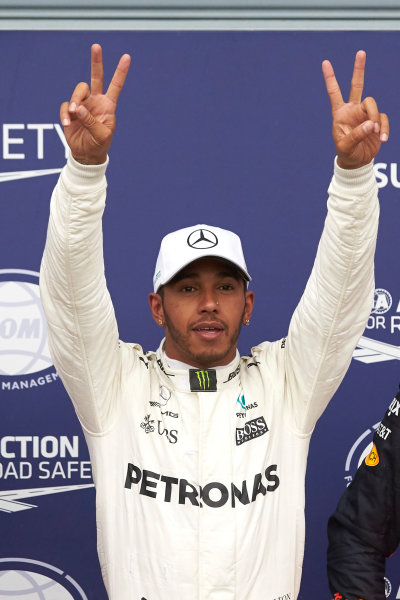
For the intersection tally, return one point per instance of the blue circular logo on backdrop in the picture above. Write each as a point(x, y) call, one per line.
point(28, 579)
point(382, 302)
point(23, 332)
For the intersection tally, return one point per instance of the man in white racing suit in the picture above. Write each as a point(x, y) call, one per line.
point(199, 455)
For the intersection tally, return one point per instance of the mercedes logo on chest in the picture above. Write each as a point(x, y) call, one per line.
point(202, 239)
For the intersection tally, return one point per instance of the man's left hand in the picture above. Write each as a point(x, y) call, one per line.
point(358, 128)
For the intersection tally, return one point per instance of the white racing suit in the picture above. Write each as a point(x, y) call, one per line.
point(200, 474)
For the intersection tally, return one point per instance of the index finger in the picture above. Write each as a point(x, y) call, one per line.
point(332, 86)
point(357, 81)
point(118, 80)
point(96, 78)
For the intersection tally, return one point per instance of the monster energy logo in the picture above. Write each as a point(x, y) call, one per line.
point(203, 380)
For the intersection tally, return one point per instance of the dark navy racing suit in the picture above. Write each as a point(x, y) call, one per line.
point(365, 528)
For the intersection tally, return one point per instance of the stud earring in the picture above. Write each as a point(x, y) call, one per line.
point(160, 322)
point(247, 322)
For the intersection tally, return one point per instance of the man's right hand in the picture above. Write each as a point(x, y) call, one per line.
point(89, 117)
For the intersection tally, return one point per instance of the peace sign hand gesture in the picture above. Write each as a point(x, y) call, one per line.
point(89, 117)
point(358, 128)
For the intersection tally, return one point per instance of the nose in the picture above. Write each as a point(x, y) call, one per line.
point(208, 301)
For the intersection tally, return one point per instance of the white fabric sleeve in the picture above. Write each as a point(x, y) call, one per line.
point(82, 329)
point(338, 298)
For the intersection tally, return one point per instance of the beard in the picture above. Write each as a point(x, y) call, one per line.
point(199, 357)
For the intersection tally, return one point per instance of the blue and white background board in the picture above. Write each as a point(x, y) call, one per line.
point(226, 128)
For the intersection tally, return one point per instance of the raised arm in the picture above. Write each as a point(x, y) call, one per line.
point(83, 335)
point(337, 301)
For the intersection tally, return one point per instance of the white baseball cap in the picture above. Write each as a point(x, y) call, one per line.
point(179, 248)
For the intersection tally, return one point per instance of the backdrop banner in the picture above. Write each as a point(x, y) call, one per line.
point(229, 128)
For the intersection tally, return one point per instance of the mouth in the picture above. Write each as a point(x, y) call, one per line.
point(208, 331)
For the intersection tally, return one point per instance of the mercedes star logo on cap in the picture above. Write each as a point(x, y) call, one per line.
point(201, 239)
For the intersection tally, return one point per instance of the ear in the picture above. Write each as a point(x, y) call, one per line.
point(156, 307)
point(248, 307)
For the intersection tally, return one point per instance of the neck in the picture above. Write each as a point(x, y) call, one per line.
point(178, 365)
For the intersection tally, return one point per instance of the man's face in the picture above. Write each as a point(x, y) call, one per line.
point(203, 309)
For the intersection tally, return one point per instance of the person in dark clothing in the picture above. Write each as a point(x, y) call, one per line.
point(365, 528)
